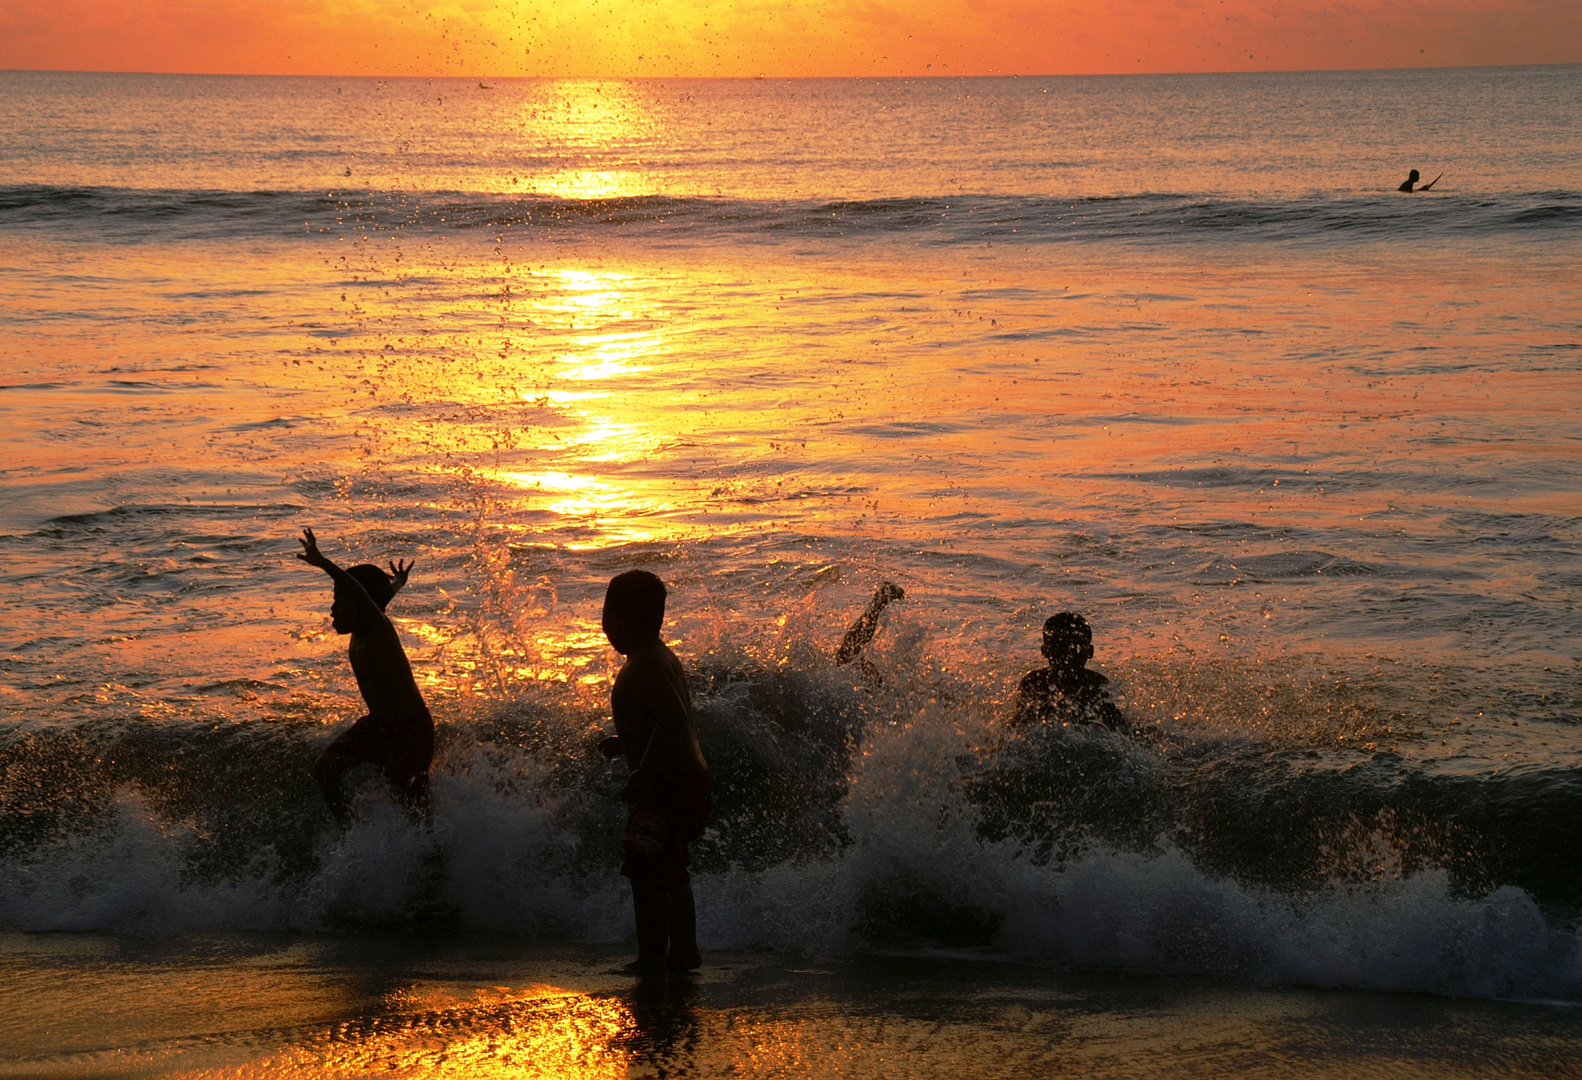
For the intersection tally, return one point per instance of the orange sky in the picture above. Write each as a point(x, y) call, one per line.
point(779, 37)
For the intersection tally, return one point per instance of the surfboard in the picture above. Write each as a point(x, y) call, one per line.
point(1430, 183)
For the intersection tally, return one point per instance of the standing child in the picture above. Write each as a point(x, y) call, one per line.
point(668, 793)
point(397, 735)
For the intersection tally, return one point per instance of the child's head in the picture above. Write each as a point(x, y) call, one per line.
point(375, 582)
point(634, 610)
point(1068, 640)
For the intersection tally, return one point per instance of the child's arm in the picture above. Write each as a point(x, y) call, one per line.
point(354, 590)
point(671, 732)
point(867, 623)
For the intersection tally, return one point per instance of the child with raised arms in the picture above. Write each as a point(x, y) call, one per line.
point(397, 735)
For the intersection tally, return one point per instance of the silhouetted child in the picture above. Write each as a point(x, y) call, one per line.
point(1066, 692)
point(667, 795)
point(397, 735)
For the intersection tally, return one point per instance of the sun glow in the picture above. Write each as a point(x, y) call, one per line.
point(590, 40)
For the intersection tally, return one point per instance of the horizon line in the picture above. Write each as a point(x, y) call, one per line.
point(779, 78)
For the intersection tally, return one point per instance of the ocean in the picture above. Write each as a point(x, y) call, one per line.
point(1170, 351)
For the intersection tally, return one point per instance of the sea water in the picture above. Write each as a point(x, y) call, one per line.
point(1168, 351)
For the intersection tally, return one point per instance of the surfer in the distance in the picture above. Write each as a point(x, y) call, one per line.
point(397, 734)
point(1066, 692)
point(1409, 185)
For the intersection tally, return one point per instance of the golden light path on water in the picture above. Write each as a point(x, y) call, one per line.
point(516, 411)
point(616, 512)
point(589, 117)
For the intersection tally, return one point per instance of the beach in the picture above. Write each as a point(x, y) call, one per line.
point(1170, 351)
point(254, 1005)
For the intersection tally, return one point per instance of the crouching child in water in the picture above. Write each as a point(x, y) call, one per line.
point(1066, 692)
point(397, 735)
point(667, 795)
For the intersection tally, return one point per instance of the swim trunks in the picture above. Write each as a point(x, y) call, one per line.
point(659, 828)
point(400, 747)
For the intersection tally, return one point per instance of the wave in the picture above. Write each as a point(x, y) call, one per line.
point(132, 215)
point(844, 819)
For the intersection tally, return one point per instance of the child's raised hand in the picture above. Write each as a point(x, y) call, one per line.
point(310, 553)
point(398, 574)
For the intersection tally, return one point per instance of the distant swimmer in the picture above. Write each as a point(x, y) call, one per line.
point(1410, 184)
point(397, 735)
point(1066, 692)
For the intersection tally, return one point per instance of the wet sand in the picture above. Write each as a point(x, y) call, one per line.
point(400, 1006)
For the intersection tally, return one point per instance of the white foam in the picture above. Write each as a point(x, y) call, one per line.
point(506, 853)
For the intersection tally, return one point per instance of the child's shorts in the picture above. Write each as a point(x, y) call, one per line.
point(401, 748)
point(659, 828)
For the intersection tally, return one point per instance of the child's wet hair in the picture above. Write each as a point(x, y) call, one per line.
point(375, 582)
point(640, 598)
point(1067, 626)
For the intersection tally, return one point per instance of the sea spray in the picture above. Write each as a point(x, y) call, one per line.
point(888, 851)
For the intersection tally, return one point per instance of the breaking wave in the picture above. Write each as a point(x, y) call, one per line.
point(845, 819)
point(131, 215)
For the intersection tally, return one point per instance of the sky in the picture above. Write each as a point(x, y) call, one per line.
point(774, 38)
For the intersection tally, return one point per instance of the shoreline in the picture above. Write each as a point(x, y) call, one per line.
point(403, 1005)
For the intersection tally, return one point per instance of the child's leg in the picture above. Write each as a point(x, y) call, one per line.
point(328, 770)
point(411, 792)
point(652, 906)
point(684, 954)
point(408, 753)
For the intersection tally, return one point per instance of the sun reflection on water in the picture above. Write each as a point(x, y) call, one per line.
point(565, 397)
point(609, 507)
point(585, 369)
point(594, 383)
point(607, 356)
point(612, 440)
point(543, 1032)
point(595, 184)
point(588, 119)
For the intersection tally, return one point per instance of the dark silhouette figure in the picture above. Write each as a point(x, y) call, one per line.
point(667, 795)
point(397, 735)
point(1066, 692)
point(1410, 184)
point(861, 632)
